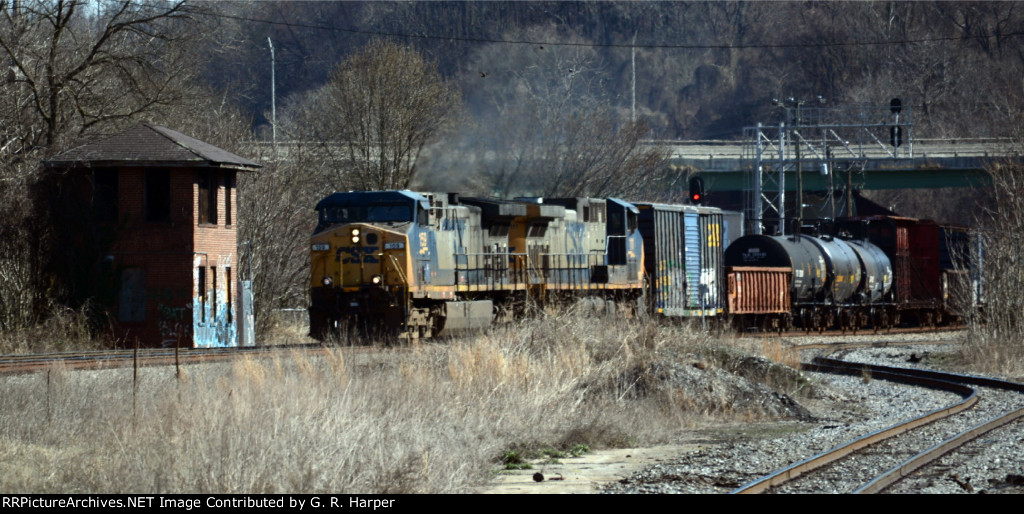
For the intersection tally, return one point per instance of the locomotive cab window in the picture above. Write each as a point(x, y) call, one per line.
point(616, 223)
point(388, 213)
point(357, 213)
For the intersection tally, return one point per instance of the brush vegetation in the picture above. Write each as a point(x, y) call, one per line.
point(436, 418)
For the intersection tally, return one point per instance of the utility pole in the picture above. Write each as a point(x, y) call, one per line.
point(273, 97)
point(633, 109)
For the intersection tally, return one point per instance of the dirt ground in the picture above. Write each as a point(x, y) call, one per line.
point(584, 474)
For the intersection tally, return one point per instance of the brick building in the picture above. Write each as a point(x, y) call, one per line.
point(149, 220)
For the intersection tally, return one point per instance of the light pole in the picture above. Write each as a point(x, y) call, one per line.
point(273, 97)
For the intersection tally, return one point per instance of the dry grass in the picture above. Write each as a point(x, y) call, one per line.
point(774, 350)
point(434, 419)
point(987, 350)
point(65, 330)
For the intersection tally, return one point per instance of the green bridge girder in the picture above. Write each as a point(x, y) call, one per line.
point(921, 173)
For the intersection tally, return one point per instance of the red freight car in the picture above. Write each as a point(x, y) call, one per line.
point(760, 297)
point(913, 247)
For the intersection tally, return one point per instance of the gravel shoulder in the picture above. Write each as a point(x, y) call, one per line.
point(718, 459)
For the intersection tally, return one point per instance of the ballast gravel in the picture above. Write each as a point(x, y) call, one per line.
point(847, 407)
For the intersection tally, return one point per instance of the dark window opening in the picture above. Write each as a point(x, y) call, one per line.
point(104, 195)
point(227, 297)
point(207, 198)
point(132, 296)
point(158, 196)
point(616, 223)
point(213, 294)
point(229, 186)
point(201, 283)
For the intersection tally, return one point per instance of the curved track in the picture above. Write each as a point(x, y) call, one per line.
point(871, 444)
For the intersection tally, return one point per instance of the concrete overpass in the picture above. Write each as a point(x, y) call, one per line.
point(926, 163)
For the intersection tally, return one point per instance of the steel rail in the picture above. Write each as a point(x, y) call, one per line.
point(909, 466)
point(109, 359)
point(904, 469)
point(970, 398)
point(911, 376)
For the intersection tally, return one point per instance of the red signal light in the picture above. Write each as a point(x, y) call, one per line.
point(696, 190)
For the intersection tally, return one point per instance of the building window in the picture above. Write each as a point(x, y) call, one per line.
point(227, 294)
point(201, 292)
point(104, 195)
point(213, 294)
point(207, 198)
point(229, 186)
point(158, 195)
point(132, 296)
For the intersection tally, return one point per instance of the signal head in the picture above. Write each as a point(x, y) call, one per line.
point(696, 190)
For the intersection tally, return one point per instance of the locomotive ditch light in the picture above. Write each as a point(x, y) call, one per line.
point(377, 279)
point(328, 281)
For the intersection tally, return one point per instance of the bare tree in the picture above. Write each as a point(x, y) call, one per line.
point(277, 217)
point(553, 126)
point(382, 106)
point(72, 68)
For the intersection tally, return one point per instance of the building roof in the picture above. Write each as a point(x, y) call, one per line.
point(149, 145)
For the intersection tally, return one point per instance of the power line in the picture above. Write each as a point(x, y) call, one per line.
point(723, 46)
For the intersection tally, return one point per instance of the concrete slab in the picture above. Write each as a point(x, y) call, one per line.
point(584, 474)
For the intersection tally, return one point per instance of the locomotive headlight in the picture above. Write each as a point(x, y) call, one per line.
point(328, 281)
point(377, 280)
point(355, 239)
point(355, 235)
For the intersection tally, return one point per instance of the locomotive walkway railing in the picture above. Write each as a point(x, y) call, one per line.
point(513, 271)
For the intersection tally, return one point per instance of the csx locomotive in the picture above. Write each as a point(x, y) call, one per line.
point(430, 264)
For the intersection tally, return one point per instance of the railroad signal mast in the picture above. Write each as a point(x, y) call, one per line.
point(829, 140)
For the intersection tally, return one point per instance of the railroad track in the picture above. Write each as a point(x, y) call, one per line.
point(876, 461)
point(105, 359)
point(850, 333)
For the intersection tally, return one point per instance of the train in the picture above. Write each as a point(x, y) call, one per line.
point(419, 264)
point(871, 271)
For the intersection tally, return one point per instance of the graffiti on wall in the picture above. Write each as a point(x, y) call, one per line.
point(213, 311)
